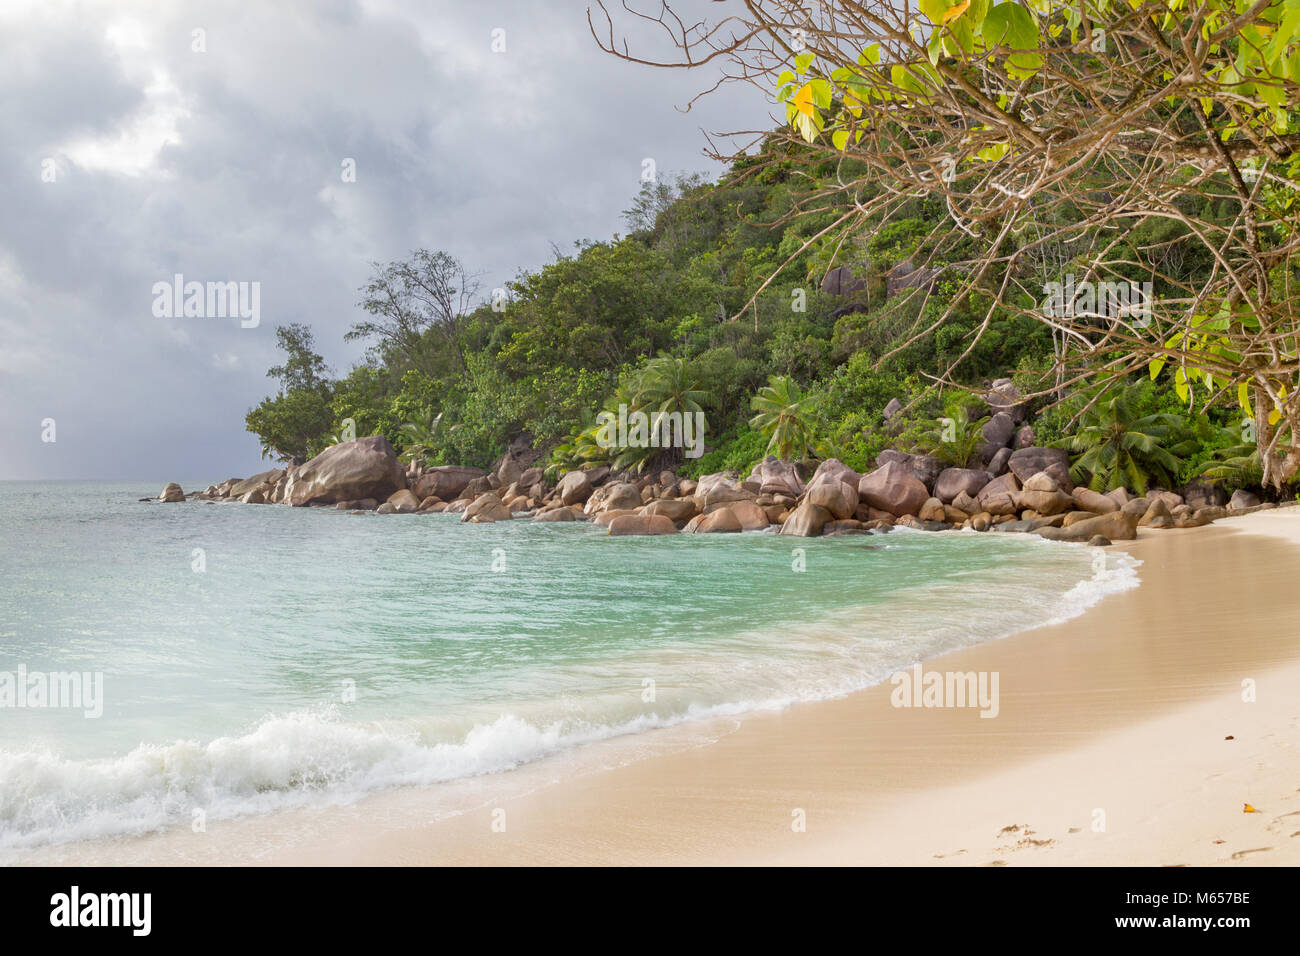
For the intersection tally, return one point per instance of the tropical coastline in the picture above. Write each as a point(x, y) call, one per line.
point(1123, 737)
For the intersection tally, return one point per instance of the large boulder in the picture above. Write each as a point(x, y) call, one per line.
point(1243, 500)
point(925, 467)
point(263, 483)
point(842, 281)
point(892, 487)
point(486, 508)
point(1157, 514)
point(1094, 501)
point(906, 275)
point(1116, 526)
point(1042, 493)
point(642, 524)
point(1027, 462)
point(1005, 396)
point(953, 481)
point(836, 496)
point(997, 464)
point(617, 496)
point(404, 502)
point(808, 520)
point(1205, 494)
point(1000, 496)
point(678, 510)
point(171, 492)
point(750, 515)
point(556, 514)
point(720, 488)
point(999, 430)
point(445, 481)
point(360, 468)
point(835, 468)
point(574, 488)
point(722, 520)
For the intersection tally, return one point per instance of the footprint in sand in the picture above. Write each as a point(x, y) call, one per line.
point(1277, 821)
point(944, 856)
point(1241, 854)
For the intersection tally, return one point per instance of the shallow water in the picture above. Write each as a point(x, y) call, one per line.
point(258, 657)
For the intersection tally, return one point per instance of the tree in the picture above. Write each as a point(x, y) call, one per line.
point(786, 416)
point(303, 368)
point(957, 439)
point(665, 386)
point(426, 296)
point(1118, 448)
point(1052, 132)
point(291, 425)
point(294, 423)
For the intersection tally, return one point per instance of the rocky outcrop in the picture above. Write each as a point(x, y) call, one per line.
point(616, 496)
point(171, 493)
point(720, 521)
point(953, 481)
point(1094, 501)
point(893, 488)
point(778, 476)
point(445, 481)
point(750, 515)
point(1115, 526)
point(835, 495)
point(641, 524)
point(486, 508)
point(1005, 396)
point(1042, 494)
point(404, 502)
point(360, 468)
point(926, 468)
point(678, 510)
point(808, 520)
point(1243, 500)
point(574, 488)
point(1000, 496)
point(1027, 462)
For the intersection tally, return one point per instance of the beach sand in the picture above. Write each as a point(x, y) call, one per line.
point(1124, 736)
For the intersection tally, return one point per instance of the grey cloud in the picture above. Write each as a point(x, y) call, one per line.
point(494, 157)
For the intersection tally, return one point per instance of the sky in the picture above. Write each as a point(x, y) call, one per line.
point(289, 144)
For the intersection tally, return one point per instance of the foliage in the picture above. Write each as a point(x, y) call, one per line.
point(786, 416)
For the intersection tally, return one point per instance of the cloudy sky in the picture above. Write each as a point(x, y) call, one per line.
point(135, 148)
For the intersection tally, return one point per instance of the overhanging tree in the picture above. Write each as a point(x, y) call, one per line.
point(1110, 142)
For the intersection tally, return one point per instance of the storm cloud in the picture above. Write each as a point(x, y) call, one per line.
point(148, 139)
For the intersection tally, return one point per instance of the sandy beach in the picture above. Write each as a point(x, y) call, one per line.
point(1124, 736)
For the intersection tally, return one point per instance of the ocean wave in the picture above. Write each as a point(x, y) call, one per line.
point(319, 757)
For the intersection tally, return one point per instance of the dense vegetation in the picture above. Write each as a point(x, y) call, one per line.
point(650, 321)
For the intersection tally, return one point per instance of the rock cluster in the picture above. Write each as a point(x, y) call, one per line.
point(1014, 487)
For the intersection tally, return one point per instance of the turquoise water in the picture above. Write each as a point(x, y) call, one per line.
point(308, 654)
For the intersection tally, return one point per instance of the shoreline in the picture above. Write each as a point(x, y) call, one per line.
point(1117, 710)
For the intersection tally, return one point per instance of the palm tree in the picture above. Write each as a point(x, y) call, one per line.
point(787, 416)
point(664, 386)
point(420, 436)
point(1116, 447)
point(957, 440)
point(1237, 465)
